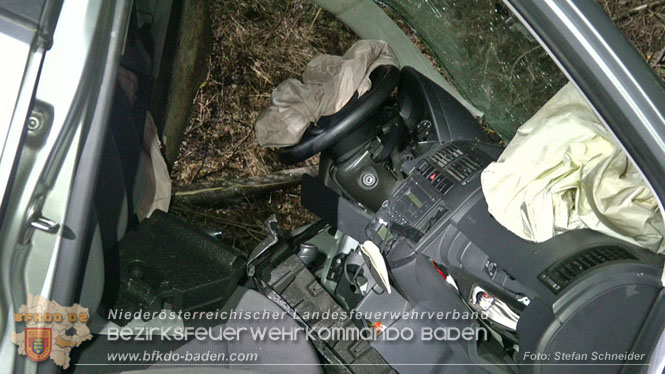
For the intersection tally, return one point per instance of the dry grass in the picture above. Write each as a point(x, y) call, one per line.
point(643, 23)
point(257, 44)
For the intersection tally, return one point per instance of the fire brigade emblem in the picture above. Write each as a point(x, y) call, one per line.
point(38, 343)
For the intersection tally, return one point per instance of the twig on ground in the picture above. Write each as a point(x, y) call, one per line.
point(225, 190)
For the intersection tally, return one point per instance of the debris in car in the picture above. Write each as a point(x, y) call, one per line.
point(232, 190)
point(256, 45)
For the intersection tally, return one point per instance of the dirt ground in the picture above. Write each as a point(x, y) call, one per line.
point(259, 43)
point(643, 23)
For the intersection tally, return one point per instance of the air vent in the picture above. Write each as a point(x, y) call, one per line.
point(560, 275)
point(446, 155)
point(452, 164)
point(434, 177)
point(442, 184)
point(463, 168)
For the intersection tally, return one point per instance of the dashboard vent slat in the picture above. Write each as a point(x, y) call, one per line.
point(463, 168)
point(560, 275)
point(446, 155)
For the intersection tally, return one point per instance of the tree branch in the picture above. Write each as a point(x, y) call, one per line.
point(228, 190)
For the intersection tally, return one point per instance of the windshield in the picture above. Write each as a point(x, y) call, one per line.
point(489, 56)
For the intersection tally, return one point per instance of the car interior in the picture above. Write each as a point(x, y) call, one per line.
point(399, 166)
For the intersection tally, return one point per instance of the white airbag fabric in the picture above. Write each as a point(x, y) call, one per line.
point(327, 85)
point(373, 253)
point(563, 171)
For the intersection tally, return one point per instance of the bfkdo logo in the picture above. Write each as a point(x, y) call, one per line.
point(38, 343)
point(51, 330)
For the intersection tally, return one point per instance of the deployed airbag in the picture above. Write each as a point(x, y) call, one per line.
point(563, 171)
point(327, 85)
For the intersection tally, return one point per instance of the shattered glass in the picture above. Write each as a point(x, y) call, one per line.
point(489, 56)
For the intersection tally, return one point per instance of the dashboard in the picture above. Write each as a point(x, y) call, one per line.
point(444, 252)
point(555, 296)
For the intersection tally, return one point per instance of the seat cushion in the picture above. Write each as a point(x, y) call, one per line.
point(273, 356)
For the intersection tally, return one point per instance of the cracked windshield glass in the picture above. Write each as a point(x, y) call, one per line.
point(488, 55)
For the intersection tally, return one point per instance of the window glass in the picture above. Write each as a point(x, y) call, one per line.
point(489, 56)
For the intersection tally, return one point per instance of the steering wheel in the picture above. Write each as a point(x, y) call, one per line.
point(333, 128)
